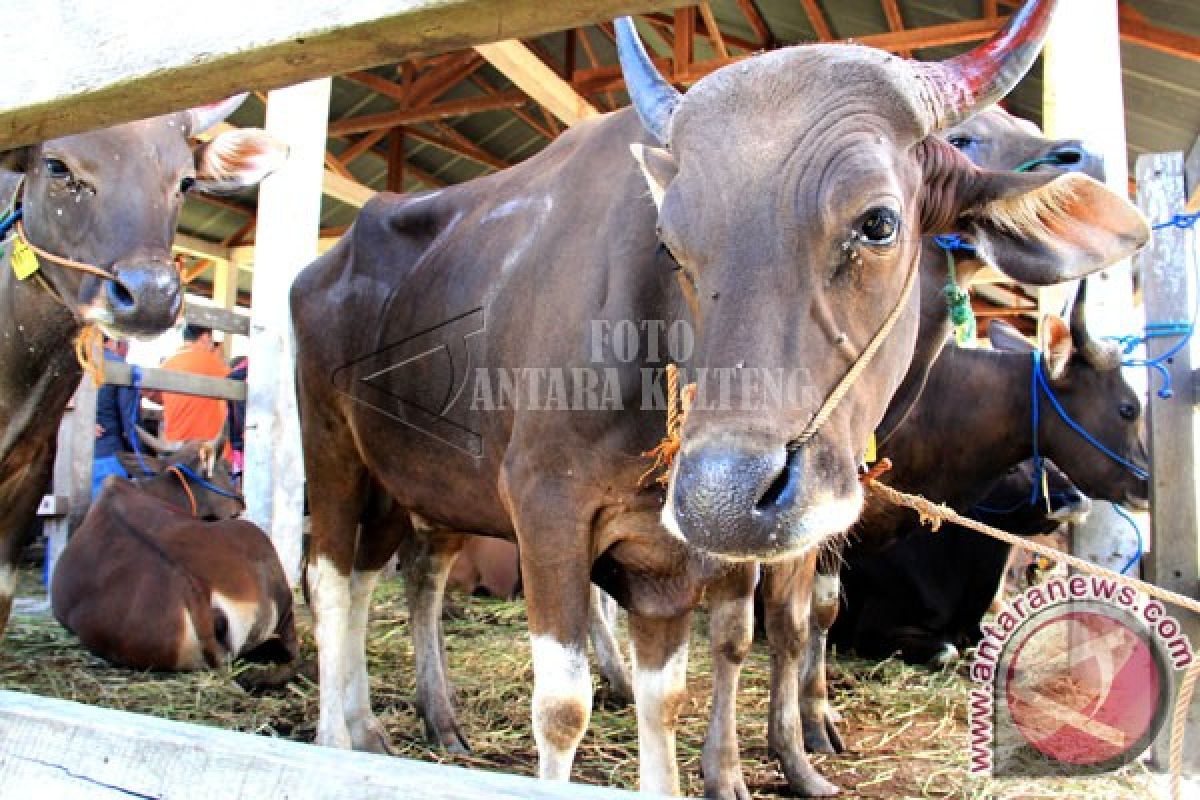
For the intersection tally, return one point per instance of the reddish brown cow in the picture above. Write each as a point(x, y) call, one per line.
point(98, 213)
point(787, 196)
point(159, 577)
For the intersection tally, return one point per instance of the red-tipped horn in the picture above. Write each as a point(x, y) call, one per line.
point(963, 85)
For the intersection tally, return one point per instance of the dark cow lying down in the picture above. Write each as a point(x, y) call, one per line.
point(159, 577)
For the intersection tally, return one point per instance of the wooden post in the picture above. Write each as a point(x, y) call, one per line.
point(225, 290)
point(72, 475)
point(289, 209)
point(1167, 265)
point(1083, 100)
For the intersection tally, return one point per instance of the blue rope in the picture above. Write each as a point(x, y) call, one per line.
point(1020, 503)
point(135, 373)
point(1039, 385)
point(202, 481)
point(9, 221)
point(1179, 221)
point(1137, 535)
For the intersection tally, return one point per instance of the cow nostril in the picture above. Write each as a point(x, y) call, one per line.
point(1067, 156)
point(119, 296)
point(782, 491)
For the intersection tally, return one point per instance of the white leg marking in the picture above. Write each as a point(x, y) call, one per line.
point(8, 580)
point(330, 592)
point(357, 696)
point(658, 770)
point(826, 589)
point(560, 680)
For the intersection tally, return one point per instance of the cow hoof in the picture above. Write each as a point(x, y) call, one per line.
point(946, 657)
point(373, 739)
point(734, 789)
point(448, 738)
point(821, 733)
point(804, 780)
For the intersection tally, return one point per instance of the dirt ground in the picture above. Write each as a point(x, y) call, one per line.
point(905, 727)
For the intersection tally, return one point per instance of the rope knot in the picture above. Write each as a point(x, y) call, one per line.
point(678, 405)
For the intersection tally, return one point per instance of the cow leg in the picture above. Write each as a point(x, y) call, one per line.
point(731, 630)
point(787, 597)
point(660, 653)
point(425, 576)
point(817, 716)
point(556, 569)
point(602, 632)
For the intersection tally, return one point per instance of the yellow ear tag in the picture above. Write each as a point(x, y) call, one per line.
point(24, 262)
point(871, 456)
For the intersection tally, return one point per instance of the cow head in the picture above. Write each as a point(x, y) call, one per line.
point(192, 477)
point(1018, 504)
point(1085, 376)
point(111, 198)
point(792, 189)
point(996, 139)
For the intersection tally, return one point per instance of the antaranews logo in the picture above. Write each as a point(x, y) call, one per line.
point(1075, 677)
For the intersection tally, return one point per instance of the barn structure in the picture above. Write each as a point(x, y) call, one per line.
point(426, 94)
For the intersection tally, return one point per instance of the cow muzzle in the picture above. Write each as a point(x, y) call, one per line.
point(742, 497)
point(142, 299)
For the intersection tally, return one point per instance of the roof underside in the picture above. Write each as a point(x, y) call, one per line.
point(497, 125)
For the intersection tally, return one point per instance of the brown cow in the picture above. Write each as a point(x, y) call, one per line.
point(791, 195)
point(108, 200)
point(159, 576)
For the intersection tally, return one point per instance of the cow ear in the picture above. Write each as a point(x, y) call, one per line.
point(1062, 230)
point(1007, 338)
point(1056, 346)
point(1038, 228)
point(658, 166)
point(237, 159)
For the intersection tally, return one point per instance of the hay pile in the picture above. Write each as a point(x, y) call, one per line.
point(905, 726)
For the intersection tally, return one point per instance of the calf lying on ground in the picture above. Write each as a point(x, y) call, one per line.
point(155, 578)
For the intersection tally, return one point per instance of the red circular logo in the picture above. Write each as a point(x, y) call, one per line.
point(1084, 687)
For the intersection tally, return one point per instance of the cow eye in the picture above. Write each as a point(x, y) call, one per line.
point(961, 142)
point(56, 169)
point(186, 184)
point(879, 226)
point(1128, 411)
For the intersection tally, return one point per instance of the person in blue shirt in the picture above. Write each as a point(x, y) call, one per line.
point(116, 415)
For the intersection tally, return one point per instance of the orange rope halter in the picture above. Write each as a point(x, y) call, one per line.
point(187, 489)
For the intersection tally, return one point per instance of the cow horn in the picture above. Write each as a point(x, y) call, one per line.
point(654, 98)
point(965, 84)
point(204, 117)
point(1101, 355)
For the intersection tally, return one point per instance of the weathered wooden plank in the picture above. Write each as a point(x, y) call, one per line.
point(64, 750)
point(529, 73)
point(219, 319)
point(289, 226)
point(1167, 264)
point(155, 61)
point(169, 380)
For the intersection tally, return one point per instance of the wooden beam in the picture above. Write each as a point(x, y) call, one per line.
point(450, 108)
point(990, 9)
point(712, 30)
point(757, 23)
point(153, 70)
point(347, 190)
point(437, 81)
point(455, 143)
point(685, 34)
point(57, 748)
point(200, 248)
point(520, 113)
point(895, 20)
point(117, 373)
point(1136, 30)
point(395, 160)
point(589, 52)
point(529, 73)
point(361, 145)
point(817, 17)
point(219, 319)
point(664, 21)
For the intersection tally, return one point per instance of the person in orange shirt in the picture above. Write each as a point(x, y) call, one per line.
point(188, 416)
